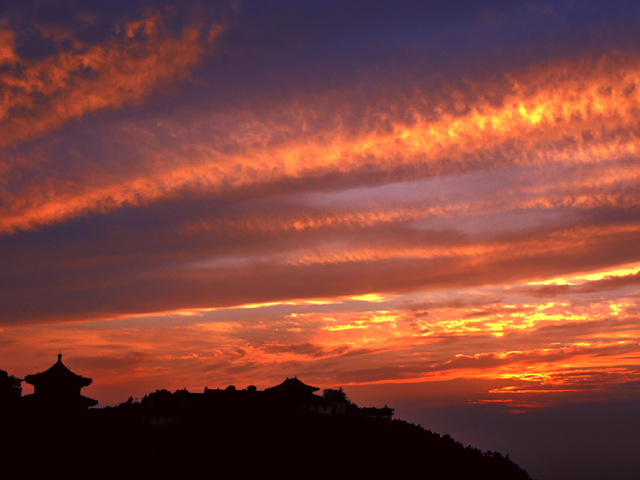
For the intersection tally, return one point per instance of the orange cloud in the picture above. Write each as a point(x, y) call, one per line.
point(533, 357)
point(41, 95)
point(560, 114)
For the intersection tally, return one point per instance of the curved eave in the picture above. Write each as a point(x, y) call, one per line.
point(60, 375)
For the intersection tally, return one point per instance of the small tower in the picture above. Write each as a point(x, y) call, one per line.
point(59, 387)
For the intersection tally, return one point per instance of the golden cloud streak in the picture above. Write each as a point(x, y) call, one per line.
point(391, 341)
point(620, 271)
point(585, 112)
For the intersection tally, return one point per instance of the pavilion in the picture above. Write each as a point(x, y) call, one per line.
point(292, 387)
point(59, 387)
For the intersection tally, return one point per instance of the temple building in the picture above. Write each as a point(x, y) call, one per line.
point(384, 413)
point(303, 395)
point(59, 388)
point(292, 387)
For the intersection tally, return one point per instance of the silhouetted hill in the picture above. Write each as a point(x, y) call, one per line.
point(228, 434)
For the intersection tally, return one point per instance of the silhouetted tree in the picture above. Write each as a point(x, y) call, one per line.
point(337, 396)
point(160, 399)
point(172, 435)
point(10, 388)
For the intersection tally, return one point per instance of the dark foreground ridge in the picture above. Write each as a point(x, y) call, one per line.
point(284, 432)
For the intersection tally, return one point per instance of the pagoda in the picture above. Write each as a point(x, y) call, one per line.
point(60, 388)
point(292, 387)
point(384, 413)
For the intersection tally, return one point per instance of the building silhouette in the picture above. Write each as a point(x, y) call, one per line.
point(292, 387)
point(59, 388)
point(172, 435)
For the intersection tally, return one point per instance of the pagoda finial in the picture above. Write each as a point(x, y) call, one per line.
point(60, 357)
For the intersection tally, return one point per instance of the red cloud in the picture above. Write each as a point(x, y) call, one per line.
point(41, 95)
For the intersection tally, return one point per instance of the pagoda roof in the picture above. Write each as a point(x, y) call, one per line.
point(377, 412)
point(58, 374)
point(292, 385)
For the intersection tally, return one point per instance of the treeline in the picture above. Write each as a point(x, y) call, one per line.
point(231, 435)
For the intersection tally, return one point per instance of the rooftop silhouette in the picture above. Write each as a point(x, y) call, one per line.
point(59, 387)
point(223, 433)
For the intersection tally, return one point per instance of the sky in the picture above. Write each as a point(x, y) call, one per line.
point(431, 204)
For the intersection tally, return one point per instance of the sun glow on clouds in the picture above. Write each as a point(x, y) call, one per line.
point(559, 114)
point(41, 95)
point(580, 279)
point(419, 342)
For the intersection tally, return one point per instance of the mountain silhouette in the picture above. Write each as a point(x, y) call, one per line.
point(283, 432)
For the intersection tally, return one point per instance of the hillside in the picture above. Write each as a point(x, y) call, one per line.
point(230, 434)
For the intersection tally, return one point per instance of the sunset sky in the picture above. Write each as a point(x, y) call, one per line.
point(432, 204)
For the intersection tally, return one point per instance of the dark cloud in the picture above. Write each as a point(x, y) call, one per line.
point(116, 363)
point(492, 360)
point(71, 281)
point(547, 290)
point(299, 349)
point(317, 351)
